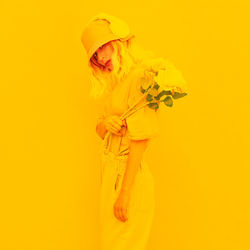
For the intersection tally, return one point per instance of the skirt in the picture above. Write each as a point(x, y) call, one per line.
point(132, 234)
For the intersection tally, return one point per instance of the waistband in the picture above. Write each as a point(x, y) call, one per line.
point(106, 148)
point(119, 162)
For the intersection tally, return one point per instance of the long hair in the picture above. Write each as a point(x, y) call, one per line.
point(129, 53)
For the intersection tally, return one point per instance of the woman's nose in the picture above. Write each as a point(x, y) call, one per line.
point(103, 60)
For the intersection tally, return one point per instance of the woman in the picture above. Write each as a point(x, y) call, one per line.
point(127, 199)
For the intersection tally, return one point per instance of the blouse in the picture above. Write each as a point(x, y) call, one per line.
point(142, 124)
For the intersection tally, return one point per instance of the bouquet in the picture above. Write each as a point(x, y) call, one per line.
point(160, 83)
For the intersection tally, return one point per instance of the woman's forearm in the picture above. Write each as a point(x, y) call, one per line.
point(100, 128)
point(136, 151)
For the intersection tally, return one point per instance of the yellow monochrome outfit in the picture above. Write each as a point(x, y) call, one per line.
point(132, 234)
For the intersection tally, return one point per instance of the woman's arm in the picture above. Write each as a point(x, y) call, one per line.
point(111, 123)
point(136, 150)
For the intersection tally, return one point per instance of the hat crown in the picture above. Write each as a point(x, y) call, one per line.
point(102, 29)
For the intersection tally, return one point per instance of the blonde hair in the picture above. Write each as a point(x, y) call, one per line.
point(129, 53)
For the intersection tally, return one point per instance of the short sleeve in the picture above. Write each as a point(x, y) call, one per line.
point(144, 123)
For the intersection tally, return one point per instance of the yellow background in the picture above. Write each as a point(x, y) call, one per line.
point(49, 149)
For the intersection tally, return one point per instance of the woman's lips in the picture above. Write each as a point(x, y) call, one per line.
point(108, 63)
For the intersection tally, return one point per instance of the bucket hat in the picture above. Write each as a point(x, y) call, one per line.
point(102, 29)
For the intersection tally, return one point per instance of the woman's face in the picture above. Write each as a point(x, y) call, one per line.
point(105, 57)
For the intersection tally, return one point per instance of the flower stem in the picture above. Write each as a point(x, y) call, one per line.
point(133, 111)
point(138, 101)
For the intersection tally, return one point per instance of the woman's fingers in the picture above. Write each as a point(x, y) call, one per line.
point(117, 120)
point(114, 124)
point(124, 214)
point(113, 130)
point(117, 212)
point(120, 214)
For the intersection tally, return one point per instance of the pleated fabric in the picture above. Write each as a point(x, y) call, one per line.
point(134, 233)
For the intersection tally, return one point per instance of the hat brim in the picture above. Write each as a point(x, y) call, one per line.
point(104, 40)
point(101, 42)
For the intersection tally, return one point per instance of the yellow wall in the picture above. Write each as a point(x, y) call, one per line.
point(49, 149)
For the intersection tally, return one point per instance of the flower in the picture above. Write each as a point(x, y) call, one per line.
point(171, 79)
point(160, 82)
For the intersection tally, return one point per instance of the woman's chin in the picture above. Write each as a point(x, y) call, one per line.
point(110, 68)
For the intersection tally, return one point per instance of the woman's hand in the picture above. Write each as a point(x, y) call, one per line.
point(121, 206)
point(113, 123)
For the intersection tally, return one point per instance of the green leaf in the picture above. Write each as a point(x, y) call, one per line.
point(167, 92)
point(178, 95)
point(153, 105)
point(143, 90)
point(156, 86)
point(162, 93)
point(153, 92)
point(149, 98)
point(168, 101)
